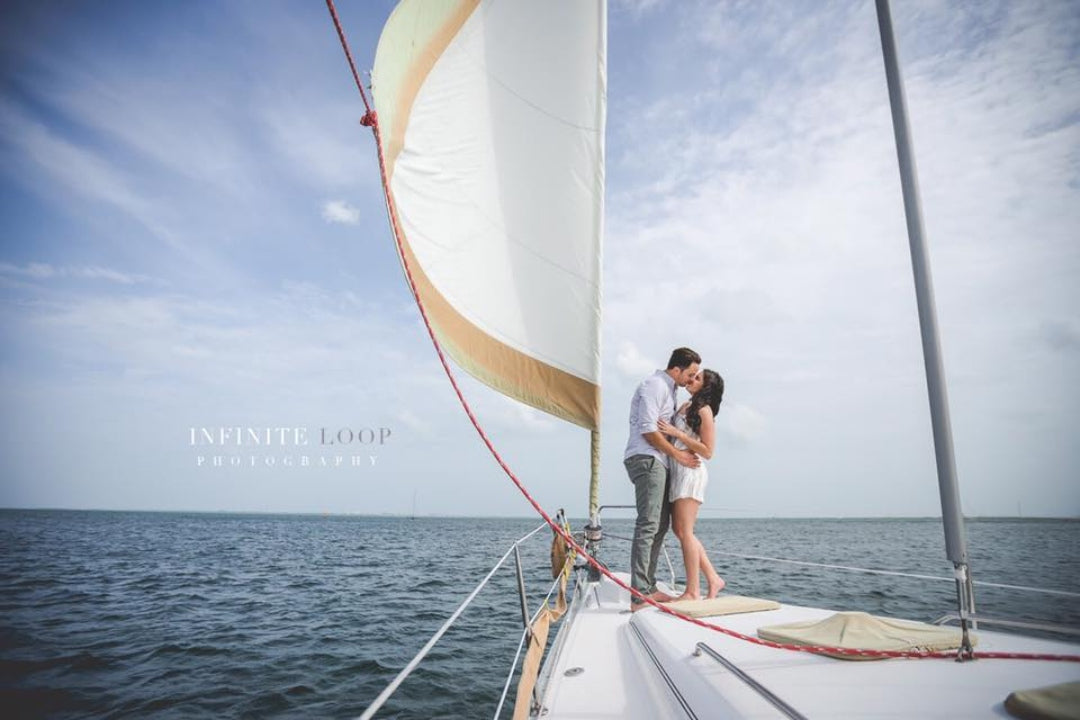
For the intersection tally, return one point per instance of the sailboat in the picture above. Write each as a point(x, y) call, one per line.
point(493, 172)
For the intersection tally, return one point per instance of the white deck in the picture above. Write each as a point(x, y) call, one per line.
point(620, 680)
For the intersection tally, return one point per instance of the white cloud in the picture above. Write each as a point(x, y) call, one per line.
point(1061, 335)
point(411, 420)
point(152, 119)
point(46, 271)
point(632, 363)
point(187, 121)
point(77, 168)
point(339, 211)
point(329, 151)
point(743, 422)
point(37, 271)
point(530, 418)
point(637, 8)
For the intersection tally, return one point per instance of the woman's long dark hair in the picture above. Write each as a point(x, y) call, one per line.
point(710, 393)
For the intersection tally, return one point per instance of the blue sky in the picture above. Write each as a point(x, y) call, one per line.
point(193, 236)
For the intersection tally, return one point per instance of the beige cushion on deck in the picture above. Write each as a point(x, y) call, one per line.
point(723, 605)
point(1055, 702)
point(862, 631)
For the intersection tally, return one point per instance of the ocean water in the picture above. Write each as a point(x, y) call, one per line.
point(121, 614)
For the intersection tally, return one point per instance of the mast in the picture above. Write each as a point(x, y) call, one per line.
point(594, 473)
point(952, 517)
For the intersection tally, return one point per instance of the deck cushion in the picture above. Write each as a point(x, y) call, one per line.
point(1054, 702)
point(723, 605)
point(862, 631)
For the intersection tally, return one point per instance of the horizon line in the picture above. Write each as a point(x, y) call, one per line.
point(437, 516)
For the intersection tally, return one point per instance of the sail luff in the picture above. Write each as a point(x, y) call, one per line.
point(601, 122)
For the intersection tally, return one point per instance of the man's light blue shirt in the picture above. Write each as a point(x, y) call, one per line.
point(654, 400)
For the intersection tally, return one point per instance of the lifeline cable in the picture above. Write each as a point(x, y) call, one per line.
point(370, 119)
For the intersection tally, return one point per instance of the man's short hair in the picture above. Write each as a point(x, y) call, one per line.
point(683, 358)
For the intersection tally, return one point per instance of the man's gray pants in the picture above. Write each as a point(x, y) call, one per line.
point(653, 517)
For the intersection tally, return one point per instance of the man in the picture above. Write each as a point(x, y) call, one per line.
point(649, 455)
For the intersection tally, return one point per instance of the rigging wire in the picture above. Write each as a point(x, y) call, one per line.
point(407, 670)
point(1064, 593)
point(872, 571)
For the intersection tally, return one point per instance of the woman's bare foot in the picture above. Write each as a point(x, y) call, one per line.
point(716, 584)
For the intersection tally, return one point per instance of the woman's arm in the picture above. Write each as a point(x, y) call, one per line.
point(703, 447)
point(683, 457)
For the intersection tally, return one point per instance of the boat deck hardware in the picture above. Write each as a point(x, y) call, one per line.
point(758, 687)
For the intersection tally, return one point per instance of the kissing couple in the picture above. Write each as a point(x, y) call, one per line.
point(664, 459)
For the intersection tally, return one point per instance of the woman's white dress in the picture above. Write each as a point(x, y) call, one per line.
point(687, 482)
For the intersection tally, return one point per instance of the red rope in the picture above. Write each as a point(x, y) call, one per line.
point(348, 55)
point(371, 119)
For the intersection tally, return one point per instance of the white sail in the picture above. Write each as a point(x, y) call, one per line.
point(491, 118)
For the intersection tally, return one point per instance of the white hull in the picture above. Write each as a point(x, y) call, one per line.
point(643, 665)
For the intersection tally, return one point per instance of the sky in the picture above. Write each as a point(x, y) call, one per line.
point(193, 239)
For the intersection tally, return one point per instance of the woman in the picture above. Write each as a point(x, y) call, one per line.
point(694, 429)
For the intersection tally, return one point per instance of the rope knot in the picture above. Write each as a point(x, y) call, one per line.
point(369, 119)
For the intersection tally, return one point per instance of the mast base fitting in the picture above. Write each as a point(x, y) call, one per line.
point(594, 533)
point(965, 653)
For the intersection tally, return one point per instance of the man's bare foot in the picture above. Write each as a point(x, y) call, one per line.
point(657, 596)
point(687, 596)
point(716, 584)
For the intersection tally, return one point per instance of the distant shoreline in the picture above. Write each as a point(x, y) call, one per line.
point(626, 515)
